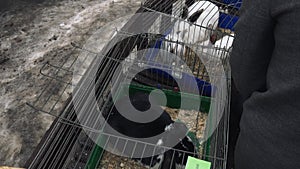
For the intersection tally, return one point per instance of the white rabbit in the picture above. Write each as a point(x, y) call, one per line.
point(205, 15)
point(201, 21)
point(215, 49)
point(225, 42)
point(175, 36)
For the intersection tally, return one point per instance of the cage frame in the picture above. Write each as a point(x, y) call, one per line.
point(65, 119)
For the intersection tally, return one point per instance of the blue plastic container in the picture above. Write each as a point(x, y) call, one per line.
point(227, 21)
point(204, 87)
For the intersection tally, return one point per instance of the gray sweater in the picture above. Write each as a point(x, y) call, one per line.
point(265, 64)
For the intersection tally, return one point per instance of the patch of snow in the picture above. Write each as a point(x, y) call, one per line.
point(5, 44)
point(10, 142)
point(64, 26)
point(5, 101)
point(6, 80)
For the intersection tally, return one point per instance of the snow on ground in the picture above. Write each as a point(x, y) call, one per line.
point(30, 36)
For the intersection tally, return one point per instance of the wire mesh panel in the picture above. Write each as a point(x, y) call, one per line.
point(155, 95)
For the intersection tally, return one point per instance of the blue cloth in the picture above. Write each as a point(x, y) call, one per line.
point(265, 65)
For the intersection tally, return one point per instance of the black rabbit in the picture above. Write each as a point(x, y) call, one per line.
point(172, 134)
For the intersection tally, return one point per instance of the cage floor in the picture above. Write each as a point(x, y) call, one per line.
point(194, 120)
point(112, 161)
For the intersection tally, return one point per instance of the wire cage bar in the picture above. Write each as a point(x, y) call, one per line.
point(148, 55)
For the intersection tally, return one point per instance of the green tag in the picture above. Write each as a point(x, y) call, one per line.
point(194, 163)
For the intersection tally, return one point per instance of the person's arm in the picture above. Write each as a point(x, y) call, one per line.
point(270, 118)
point(252, 47)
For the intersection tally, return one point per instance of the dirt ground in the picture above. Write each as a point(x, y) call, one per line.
point(30, 36)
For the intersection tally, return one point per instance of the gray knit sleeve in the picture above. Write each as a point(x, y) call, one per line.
point(252, 47)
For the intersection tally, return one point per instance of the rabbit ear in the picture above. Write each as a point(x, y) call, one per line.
point(185, 12)
point(212, 34)
point(213, 38)
point(209, 32)
point(194, 17)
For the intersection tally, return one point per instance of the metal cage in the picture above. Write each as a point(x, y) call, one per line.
point(146, 56)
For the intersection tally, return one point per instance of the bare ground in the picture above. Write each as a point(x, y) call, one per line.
point(30, 36)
